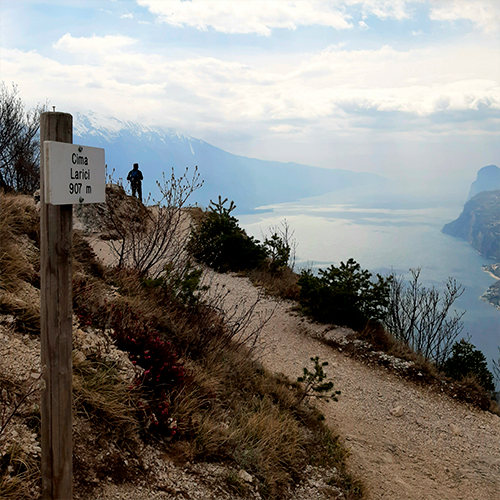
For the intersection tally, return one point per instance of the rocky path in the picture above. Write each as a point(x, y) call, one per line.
point(406, 442)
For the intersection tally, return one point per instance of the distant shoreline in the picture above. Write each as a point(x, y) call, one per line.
point(493, 270)
point(491, 274)
point(492, 295)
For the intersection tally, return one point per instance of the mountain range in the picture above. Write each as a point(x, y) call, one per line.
point(250, 182)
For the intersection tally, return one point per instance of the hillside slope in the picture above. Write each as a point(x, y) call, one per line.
point(407, 441)
point(166, 402)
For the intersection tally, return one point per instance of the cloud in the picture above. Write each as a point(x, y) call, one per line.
point(383, 9)
point(262, 16)
point(336, 90)
point(363, 25)
point(257, 16)
point(127, 16)
point(93, 44)
point(286, 129)
point(484, 14)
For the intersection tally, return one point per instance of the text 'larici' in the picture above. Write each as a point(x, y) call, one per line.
point(80, 174)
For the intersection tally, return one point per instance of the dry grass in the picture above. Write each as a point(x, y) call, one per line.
point(19, 215)
point(19, 261)
point(268, 442)
point(20, 224)
point(256, 420)
point(19, 474)
point(230, 408)
point(101, 395)
point(281, 284)
point(26, 313)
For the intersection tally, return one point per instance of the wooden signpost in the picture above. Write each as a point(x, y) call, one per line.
point(56, 312)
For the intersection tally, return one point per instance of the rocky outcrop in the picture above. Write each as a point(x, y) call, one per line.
point(492, 295)
point(479, 224)
point(493, 269)
point(488, 179)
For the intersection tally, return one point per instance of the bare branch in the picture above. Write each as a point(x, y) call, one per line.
point(419, 316)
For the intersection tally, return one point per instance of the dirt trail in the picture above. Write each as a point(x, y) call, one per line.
point(406, 442)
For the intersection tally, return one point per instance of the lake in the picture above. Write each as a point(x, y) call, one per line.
point(389, 231)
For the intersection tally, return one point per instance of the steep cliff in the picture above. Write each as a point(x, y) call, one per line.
point(488, 179)
point(479, 224)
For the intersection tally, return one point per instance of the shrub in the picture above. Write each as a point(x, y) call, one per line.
point(344, 295)
point(467, 361)
point(418, 316)
point(184, 285)
point(220, 243)
point(162, 372)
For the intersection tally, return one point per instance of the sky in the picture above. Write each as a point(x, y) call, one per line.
point(405, 89)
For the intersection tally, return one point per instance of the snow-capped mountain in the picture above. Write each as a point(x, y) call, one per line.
point(249, 182)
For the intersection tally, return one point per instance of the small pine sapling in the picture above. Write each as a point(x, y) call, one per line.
point(315, 384)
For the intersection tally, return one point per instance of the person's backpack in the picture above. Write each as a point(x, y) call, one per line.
point(135, 175)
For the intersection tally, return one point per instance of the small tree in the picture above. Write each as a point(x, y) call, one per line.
point(220, 243)
point(418, 316)
point(344, 295)
point(467, 361)
point(496, 368)
point(315, 385)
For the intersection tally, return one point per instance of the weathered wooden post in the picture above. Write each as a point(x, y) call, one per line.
point(56, 325)
point(69, 174)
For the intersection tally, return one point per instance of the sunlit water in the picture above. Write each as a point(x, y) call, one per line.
point(385, 239)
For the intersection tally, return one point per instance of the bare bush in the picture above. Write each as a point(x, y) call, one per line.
point(219, 318)
point(281, 246)
point(12, 403)
point(496, 367)
point(19, 142)
point(148, 238)
point(419, 316)
point(242, 319)
point(496, 375)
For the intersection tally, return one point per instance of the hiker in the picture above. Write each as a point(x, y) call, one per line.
point(135, 179)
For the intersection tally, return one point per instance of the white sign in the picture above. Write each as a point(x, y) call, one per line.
point(73, 174)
